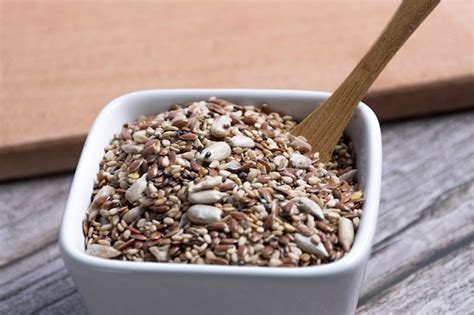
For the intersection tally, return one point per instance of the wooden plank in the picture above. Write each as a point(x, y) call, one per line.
point(42, 198)
point(428, 197)
point(63, 61)
point(441, 228)
point(427, 194)
point(46, 288)
point(443, 287)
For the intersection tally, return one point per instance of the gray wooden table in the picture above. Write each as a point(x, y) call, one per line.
point(422, 260)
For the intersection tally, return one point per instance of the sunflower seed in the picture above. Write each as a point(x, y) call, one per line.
point(205, 196)
point(307, 245)
point(216, 152)
point(242, 142)
point(203, 214)
point(132, 214)
point(220, 127)
point(161, 253)
point(300, 161)
point(346, 233)
point(132, 148)
point(209, 183)
point(135, 191)
point(103, 251)
point(311, 207)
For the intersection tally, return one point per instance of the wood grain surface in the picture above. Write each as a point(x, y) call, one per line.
point(62, 61)
point(423, 252)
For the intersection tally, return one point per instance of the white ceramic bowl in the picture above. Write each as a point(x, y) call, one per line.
point(118, 287)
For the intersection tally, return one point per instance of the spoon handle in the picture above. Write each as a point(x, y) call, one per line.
point(339, 107)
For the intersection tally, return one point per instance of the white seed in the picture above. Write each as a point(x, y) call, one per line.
point(220, 126)
point(217, 151)
point(305, 243)
point(214, 164)
point(233, 165)
point(275, 262)
point(300, 142)
point(242, 142)
point(132, 214)
point(209, 183)
point(103, 251)
point(135, 191)
point(346, 233)
point(132, 148)
point(281, 162)
point(161, 253)
point(203, 214)
point(313, 180)
point(140, 136)
point(205, 196)
point(308, 205)
point(299, 160)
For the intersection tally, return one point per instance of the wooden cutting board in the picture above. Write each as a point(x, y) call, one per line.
point(61, 62)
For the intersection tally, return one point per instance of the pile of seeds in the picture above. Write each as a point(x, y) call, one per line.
point(213, 182)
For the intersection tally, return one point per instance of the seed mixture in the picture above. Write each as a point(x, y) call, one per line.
point(213, 182)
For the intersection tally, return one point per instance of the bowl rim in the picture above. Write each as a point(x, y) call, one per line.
point(356, 256)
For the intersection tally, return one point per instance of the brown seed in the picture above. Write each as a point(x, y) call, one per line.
point(267, 252)
point(269, 221)
point(239, 216)
point(302, 149)
point(324, 227)
point(328, 246)
point(341, 206)
point(188, 137)
point(242, 250)
point(152, 171)
point(172, 157)
point(266, 109)
point(303, 229)
point(266, 194)
point(228, 185)
point(265, 164)
point(264, 179)
point(139, 237)
point(126, 244)
point(246, 167)
point(255, 237)
point(233, 225)
point(148, 150)
point(228, 241)
point(221, 248)
point(284, 240)
point(219, 261)
point(269, 133)
point(216, 226)
point(249, 120)
point(164, 241)
point(216, 108)
point(125, 134)
point(288, 208)
point(180, 123)
point(160, 209)
point(155, 235)
point(135, 165)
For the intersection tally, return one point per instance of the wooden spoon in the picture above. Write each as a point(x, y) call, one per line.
point(325, 125)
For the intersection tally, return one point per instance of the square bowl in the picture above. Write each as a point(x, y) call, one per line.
point(123, 287)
